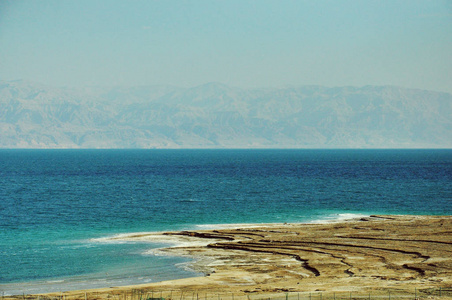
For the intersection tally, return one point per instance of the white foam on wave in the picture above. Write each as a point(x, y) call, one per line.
point(54, 281)
point(162, 242)
point(186, 241)
point(327, 218)
point(174, 242)
point(125, 237)
point(158, 241)
point(339, 217)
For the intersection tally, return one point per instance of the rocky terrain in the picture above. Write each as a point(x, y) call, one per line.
point(218, 116)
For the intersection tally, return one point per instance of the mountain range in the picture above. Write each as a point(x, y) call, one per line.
point(215, 115)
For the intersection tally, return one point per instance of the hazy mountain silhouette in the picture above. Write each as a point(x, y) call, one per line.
point(218, 116)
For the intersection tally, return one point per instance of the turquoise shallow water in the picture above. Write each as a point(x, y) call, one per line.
point(53, 203)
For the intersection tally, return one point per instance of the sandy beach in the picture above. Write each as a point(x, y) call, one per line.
point(375, 254)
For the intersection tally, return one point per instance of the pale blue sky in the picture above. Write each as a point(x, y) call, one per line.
point(241, 43)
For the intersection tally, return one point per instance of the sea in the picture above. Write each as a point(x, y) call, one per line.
point(58, 206)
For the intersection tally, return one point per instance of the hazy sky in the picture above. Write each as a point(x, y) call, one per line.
point(241, 43)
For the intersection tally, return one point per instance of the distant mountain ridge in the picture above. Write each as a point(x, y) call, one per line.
point(218, 116)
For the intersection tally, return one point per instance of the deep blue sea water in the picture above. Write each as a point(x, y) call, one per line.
point(54, 203)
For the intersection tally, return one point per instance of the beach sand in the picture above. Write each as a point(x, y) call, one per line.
point(373, 255)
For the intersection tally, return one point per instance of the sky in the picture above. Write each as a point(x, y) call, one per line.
point(242, 43)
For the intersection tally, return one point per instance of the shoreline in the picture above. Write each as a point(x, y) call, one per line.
point(370, 253)
point(96, 280)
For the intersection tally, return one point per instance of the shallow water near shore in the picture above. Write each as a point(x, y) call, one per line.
point(57, 205)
